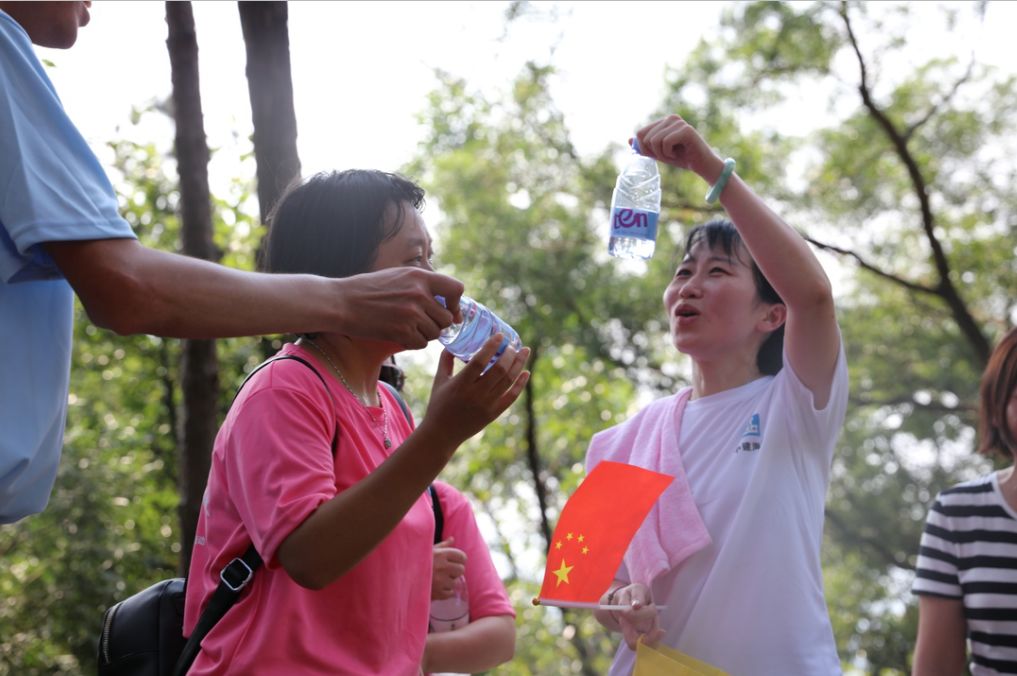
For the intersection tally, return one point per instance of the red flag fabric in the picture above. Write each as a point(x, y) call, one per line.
point(595, 528)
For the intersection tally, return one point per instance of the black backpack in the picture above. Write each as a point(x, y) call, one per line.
point(143, 634)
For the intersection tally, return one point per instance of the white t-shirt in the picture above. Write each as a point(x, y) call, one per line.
point(757, 459)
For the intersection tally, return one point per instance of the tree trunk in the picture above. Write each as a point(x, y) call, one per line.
point(540, 488)
point(270, 85)
point(199, 366)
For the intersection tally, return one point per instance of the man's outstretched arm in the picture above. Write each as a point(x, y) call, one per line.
point(129, 288)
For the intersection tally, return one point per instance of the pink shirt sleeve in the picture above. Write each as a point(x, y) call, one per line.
point(281, 468)
point(487, 593)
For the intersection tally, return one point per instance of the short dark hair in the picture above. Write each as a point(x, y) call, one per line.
point(392, 374)
point(721, 234)
point(998, 382)
point(333, 223)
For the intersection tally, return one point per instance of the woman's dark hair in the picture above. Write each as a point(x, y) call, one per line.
point(721, 234)
point(392, 374)
point(998, 383)
point(333, 223)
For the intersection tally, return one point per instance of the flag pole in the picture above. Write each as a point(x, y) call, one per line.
point(582, 604)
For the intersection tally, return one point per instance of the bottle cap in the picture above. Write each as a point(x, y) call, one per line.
point(635, 145)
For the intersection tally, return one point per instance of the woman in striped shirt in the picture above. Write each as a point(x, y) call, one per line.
point(967, 561)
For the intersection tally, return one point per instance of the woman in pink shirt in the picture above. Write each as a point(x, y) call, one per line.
point(480, 633)
point(329, 479)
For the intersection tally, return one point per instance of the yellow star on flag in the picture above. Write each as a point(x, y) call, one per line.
point(557, 545)
point(586, 550)
point(563, 573)
point(569, 536)
point(582, 537)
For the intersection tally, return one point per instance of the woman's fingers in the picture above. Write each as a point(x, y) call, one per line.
point(505, 373)
point(639, 618)
point(653, 638)
point(444, 371)
point(474, 369)
point(670, 139)
point(502, 379)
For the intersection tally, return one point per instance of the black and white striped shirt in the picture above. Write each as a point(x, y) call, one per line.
point(969, 551)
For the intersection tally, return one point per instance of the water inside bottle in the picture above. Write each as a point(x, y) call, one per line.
point(635, 209)
point(466, 338)
point(631, 247)
point(471, 335)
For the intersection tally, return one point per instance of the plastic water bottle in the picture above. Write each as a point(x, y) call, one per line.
point(479, 323)
point(453, 612)
point(635, 208)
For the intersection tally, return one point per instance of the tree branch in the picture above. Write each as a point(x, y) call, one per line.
point(533, 454)
point(900, 281)
point(696, 208)
point(533, 458)
point(939, 105)
point(900, 401)
point(503, 544)
point(967, 324)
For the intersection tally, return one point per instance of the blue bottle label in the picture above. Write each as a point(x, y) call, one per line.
point(634, 223)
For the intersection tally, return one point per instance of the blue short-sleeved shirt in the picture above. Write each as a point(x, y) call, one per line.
point(52, 188)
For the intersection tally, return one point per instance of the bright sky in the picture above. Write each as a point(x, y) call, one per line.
point(362, 70)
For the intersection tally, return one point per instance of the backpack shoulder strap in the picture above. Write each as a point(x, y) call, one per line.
point(281, 357)
point(399, 399)
point(239, 572)
point(236, 575)
point(439, 517)
point(293, 357)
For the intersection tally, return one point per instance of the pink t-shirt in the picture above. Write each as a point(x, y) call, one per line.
point(487, 593)
point(272, 466)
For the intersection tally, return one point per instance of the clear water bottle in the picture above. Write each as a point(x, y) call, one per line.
point(635, 208)
point(479, 323)
point(453, 612)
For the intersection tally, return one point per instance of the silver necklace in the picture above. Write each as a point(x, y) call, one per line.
point(363, 402)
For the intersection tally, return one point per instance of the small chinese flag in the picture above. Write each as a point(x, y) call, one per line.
point(595, 528)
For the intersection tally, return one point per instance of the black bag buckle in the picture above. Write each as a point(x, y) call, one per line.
point(239, 570)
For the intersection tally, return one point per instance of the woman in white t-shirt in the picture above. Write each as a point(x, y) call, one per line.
point(754, 438)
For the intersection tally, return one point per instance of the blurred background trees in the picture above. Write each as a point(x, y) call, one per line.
point(903, 183)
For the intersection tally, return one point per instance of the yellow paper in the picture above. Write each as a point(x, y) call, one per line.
point(664, 661)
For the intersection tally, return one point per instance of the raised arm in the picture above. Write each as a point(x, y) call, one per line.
point(812, 339)
point(343, 530)
point(129, 288)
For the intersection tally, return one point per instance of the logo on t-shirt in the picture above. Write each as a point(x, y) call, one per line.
point(752, 437)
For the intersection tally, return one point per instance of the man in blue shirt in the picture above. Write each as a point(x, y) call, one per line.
point(61, 234)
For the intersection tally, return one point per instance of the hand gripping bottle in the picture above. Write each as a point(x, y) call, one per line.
point(479, 323)
point(635, 208)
